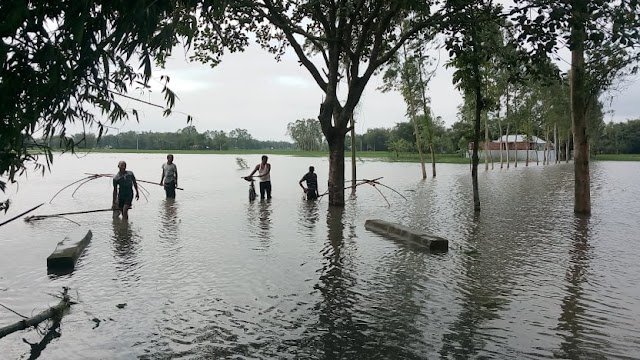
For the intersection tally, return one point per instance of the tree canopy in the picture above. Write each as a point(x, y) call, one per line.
point(66, 61)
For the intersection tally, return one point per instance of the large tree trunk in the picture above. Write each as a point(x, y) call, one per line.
point(433, 159)
point(500, 142)
point(476, 141)
point(336, 171)
point(486, 144)
point(429, 121)
point(567, 147)
point(515, 142)
point(582, 201)
point(507, 146)
point(508, 117)
point(353, 156)
point(555, 142)
point(526, 161)
point(419, 146)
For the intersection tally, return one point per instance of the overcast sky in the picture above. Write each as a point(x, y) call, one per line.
point(251, 90)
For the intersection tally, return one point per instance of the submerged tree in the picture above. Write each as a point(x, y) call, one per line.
point(405, 74)
point(603, 38)
point(324, 35)
point(471, 42)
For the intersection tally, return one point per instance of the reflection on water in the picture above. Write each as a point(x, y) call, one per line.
point(338, 337)
point(524, 279)
point(577, 342)
point(259, 220)
point(169, 221)
point(309, 214)
point(125, 248)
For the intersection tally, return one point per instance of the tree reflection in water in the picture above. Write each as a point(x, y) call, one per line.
point(573, 325)
point(484, 290)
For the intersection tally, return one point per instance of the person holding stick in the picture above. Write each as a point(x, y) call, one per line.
point(169, 177)
point(123, 183)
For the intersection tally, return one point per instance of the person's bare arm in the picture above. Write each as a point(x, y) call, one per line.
point(162, 177)
point(135, 185)
point(254, 170)
point(300, 183)
point(176, 171)
point(115, 196)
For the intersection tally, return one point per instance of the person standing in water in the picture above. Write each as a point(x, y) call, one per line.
point(264, 173)
point(123, 184)
point(169, 177)
point(312, 184)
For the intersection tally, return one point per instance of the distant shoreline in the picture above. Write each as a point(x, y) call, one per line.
point(380, 155)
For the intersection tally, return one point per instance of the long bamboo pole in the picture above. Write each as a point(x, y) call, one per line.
point(40, 217)
point(142, 181)
point(21, 214)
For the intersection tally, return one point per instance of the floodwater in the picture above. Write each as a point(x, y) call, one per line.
point(213, 276)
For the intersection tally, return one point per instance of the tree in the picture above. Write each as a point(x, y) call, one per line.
point(398, 146)
point(405, 75)
point(240, 138)
point(362, 34)
point(603, 38)
point(219, 139)
point(62, 59)
point(376, 139)
point(306, 133)
point(471, 42)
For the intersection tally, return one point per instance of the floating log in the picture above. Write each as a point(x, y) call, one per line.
point(397, 231)
point(53, 312)
point(67, 252)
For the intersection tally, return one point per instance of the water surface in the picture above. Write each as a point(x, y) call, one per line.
point(212, 275)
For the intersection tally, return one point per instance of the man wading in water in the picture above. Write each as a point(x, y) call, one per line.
point(264, 170)
point(169, 177)
point(312, 184)
point(123, 196)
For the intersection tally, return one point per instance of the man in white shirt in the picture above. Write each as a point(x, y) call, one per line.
point(169, 177)
point(264, 173)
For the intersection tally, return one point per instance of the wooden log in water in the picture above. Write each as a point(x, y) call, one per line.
point(67, 252)
point(397, 231)
point(52, 312)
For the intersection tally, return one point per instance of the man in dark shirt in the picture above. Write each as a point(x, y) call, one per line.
point(123, 183)
point(312, 184)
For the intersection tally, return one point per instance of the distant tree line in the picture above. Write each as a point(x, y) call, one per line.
point(611, 138)
point(187, 138)
point(619, 138)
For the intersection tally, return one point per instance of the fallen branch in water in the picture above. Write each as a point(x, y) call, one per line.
point(87, 178)
point(372, 182)
point(42, 217)
point(21, 214)
point(54, 312)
